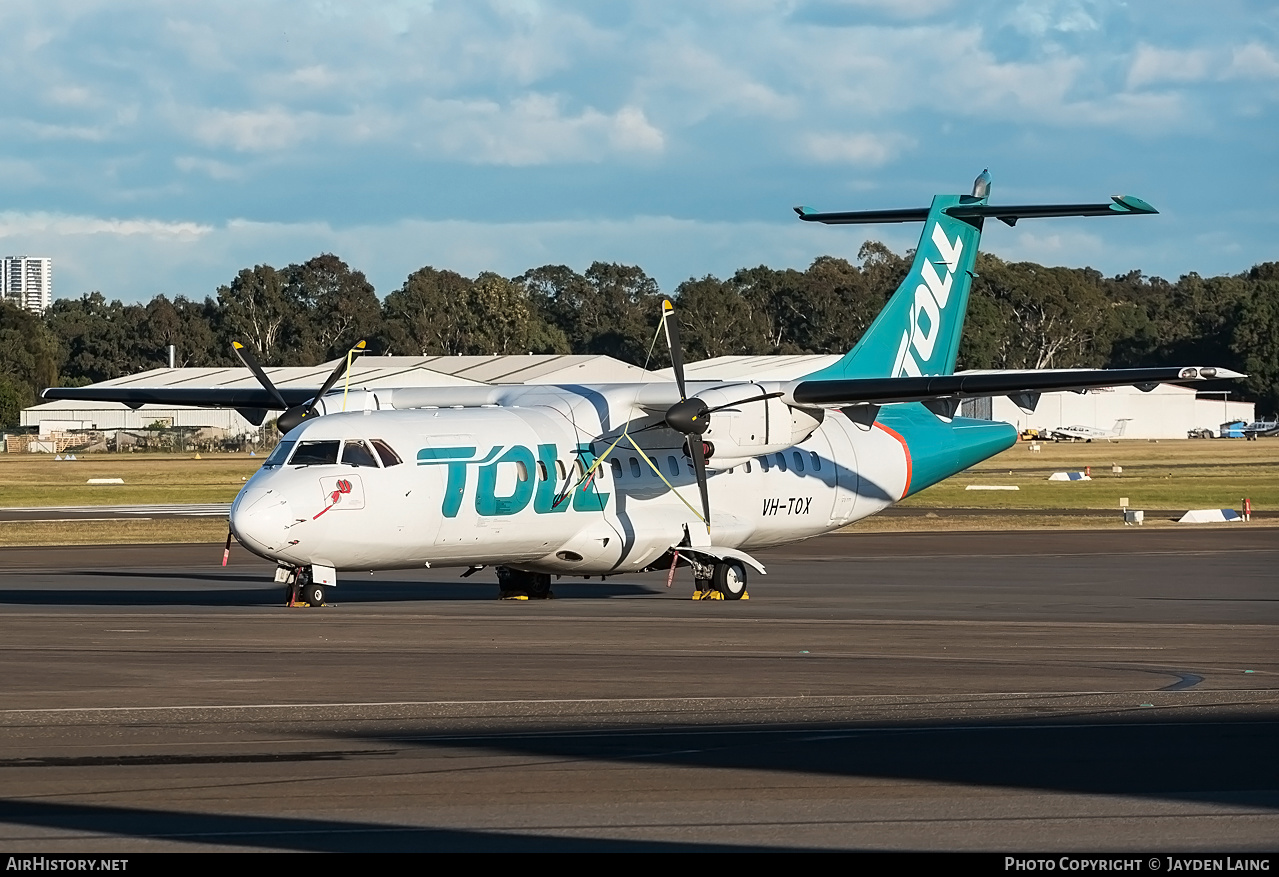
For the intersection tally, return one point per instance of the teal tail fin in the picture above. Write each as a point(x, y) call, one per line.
point(917, 332)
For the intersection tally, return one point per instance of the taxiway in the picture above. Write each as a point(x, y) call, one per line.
point(1000, 691)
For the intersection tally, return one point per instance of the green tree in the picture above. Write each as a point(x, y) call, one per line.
point(428, 315)
point(333, 307)
point(189, 327)
point(28, 361)
point(98, 339)
point(1255, 338)
point(256, 310)
point(717, 320)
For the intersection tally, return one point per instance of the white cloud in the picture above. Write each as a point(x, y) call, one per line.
point(265, 130)
point(532, 130)
point(1041, 17)
point(860, 150)
point(214, 170)
point(1253, 61)
point(32, 226)
point(1152, 65)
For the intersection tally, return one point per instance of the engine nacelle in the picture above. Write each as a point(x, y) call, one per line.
point(748, 426)
point(356, 400)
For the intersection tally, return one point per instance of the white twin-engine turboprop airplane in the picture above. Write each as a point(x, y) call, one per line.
point(606, 479)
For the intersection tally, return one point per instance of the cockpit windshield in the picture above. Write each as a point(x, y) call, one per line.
point(323, 453)
point(357, 453)
point(354, 452)
point(279, 455)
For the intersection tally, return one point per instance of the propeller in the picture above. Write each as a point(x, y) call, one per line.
point(690, 417)
point(293, 416)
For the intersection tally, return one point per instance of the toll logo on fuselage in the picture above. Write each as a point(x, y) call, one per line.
point(529, 480)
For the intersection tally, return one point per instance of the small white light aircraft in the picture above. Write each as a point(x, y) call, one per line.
point(1088, 433)
point(606, 479)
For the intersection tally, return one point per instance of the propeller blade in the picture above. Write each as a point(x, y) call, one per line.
point(336, 374)
point(698, 454)
point(760, 398)
point(291, 418)
point(251, 363)
point(672, 342)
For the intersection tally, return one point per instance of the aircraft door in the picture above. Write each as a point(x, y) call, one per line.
point(844, 456)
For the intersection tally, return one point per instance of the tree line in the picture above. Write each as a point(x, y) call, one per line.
point(1021, 315)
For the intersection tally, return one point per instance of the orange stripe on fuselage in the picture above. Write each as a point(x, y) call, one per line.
point(905, 450)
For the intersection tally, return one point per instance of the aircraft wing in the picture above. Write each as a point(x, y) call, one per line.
point(201, 397)
point(1024, 384)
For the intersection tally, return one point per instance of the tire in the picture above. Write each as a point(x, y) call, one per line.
point(730, 579)
point(315, 595)
point(539, 586)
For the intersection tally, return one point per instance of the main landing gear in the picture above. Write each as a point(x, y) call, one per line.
point(517, 584)
point(723, 580)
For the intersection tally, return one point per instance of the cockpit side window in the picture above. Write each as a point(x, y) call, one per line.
point(388, 456)
point(357, 453)
point(315, 454)
point(279, 455)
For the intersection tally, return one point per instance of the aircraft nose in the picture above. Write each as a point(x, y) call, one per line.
point(259, 519)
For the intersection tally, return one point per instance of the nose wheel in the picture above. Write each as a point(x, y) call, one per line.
point(302, 588)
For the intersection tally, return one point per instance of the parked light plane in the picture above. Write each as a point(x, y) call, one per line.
point(605, 479)
point(1088, 433)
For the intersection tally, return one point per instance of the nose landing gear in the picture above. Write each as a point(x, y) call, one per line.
point(300, 587)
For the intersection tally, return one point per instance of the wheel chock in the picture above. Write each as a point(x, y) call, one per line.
point(512, 595)
point(711, 594)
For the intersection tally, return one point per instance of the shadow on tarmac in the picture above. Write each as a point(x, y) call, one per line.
point(312, 835)
point(1213, 762)
point(236, 590)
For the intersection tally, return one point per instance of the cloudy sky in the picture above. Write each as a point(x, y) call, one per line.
point(159, 147)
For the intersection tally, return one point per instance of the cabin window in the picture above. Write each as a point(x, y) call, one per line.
point(748, 467)
point(542, 474)
point(781, 461)
point(357, 453)
point(580, 467)
point(560, 470)
point(672, 466)
point(279, 455)
point(315, 454)
point(635, 469)
point(616, 466)
point(799, 460)
point(521, 470)
point(388, 456)
point(817, 461)
point(763, 462)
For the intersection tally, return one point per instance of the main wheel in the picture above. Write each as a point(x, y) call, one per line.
point(315, 595)
point(538, 586)
point(730, 579)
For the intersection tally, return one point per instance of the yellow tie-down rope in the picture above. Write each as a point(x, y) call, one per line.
point(350, 354)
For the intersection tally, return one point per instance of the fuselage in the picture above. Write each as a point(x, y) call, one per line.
point(519, 485)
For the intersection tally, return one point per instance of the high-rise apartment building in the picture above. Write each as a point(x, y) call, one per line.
point(28, 282)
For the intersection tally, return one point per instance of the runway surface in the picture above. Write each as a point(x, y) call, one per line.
point(1040, 691)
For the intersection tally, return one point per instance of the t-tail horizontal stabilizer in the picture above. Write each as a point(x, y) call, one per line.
point(917, 333)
